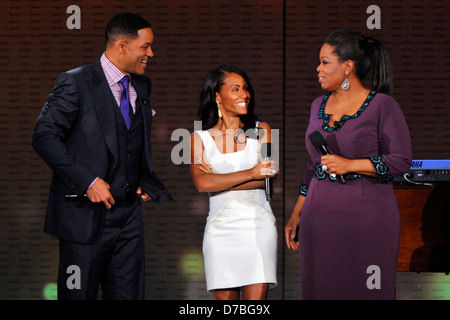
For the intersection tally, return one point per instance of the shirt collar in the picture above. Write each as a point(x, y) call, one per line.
point(113, 75)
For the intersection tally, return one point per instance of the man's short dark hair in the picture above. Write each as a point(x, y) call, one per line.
point(125, 24)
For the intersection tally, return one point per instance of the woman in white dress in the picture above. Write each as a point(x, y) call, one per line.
point(240, 239)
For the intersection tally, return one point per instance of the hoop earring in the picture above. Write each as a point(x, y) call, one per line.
point(218, 110)
point(345, 85)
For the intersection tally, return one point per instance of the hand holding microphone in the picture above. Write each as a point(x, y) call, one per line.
point(318, 141)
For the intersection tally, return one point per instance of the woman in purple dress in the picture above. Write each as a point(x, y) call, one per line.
point(349, 227)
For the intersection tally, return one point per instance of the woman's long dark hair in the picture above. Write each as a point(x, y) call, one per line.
point(368, 54)
point(208, 112)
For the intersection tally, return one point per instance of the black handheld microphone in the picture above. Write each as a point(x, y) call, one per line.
point(318, 141)
point(266, 153)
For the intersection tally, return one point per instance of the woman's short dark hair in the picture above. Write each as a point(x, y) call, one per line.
point(368, 54)
point(125, 24)
point(208, 111)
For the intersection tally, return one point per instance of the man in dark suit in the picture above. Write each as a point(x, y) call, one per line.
point(102, 166)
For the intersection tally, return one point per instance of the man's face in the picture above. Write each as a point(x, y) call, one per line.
point(138, 52)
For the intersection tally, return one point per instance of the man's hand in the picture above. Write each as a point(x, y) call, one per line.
point(144, 195)
point(99, 192)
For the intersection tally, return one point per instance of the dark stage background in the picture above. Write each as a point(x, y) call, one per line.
point(275, 42)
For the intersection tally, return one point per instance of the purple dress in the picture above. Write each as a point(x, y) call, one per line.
point(349, 233)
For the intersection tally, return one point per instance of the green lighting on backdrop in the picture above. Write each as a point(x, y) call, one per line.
point(191, 265)
point(50, 292)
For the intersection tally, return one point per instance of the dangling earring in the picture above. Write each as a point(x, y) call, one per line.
point(218, 110)
point(345, 85)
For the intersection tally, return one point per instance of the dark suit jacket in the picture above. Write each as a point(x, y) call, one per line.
point(76, 135)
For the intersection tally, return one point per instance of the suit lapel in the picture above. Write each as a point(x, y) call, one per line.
point(143, 101)
point(104, 102)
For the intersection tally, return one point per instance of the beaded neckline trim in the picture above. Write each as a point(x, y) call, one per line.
point(338, 124)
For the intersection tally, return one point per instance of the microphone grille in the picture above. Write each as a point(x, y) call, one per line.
point(317, 139)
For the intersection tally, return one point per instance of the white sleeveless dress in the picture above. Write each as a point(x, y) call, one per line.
point(240, 239)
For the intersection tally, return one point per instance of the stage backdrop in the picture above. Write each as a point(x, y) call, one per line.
point(275, 42)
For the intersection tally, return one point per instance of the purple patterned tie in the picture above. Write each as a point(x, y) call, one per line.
point(125, 106)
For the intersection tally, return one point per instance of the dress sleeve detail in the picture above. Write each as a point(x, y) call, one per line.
point(381, 169)
point(303, 190)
